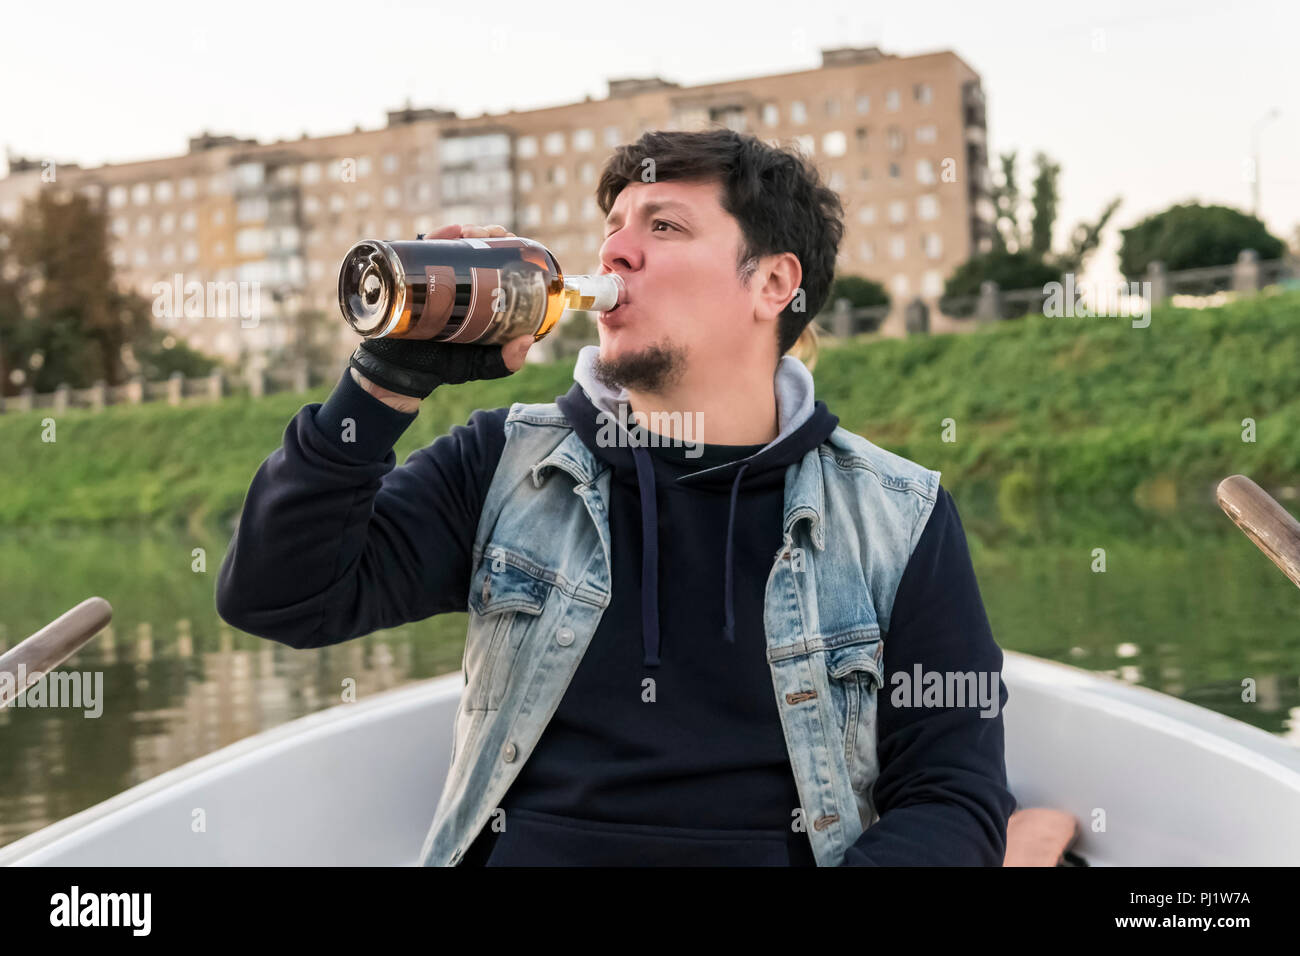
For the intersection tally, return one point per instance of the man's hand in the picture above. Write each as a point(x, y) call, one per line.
point(402, 372)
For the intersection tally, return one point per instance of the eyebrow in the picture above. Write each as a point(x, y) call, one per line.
point(651, 208)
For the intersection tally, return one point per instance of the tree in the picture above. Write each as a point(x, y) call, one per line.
point(1010, 270)
point(1022, 257)
point(1045, 201)
point(1192, 236)
point(62, 318)
point(860, 291)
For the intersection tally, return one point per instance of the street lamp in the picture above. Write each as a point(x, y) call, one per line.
point(1254, 185)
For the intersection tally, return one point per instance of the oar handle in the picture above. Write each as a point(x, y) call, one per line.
point(1265, 522)
point(52, 645)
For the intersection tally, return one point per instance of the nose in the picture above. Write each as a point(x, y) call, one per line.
point(620, 253)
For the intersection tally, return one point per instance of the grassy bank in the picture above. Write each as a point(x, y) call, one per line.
point(1042, 409)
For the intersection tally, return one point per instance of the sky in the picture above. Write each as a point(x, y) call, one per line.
point(1154, 101)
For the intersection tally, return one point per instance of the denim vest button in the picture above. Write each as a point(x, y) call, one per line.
point(509, 753)
point(564, 637)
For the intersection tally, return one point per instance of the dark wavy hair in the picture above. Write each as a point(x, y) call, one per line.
point(774, 193)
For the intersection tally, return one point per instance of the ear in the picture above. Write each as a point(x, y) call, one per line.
point(776, 283)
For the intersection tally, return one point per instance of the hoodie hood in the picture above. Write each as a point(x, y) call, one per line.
point(597, 412)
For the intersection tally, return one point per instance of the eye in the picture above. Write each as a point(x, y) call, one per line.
point(664, 222)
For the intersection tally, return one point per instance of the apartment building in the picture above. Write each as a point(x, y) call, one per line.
point(901, 139)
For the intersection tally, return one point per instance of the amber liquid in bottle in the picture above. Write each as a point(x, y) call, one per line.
point(481, 291)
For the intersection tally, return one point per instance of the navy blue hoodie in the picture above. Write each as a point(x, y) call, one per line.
point(695, 770)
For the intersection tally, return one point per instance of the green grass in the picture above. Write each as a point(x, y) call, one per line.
point(1043, 408)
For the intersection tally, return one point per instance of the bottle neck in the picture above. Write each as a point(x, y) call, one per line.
point(595, 293)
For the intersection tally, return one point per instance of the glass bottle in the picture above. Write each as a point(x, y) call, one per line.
point(482, 291)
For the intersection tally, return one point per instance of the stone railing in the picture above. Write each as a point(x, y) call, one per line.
point(255, 382)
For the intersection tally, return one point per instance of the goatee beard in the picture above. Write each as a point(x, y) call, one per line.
point(653, 369)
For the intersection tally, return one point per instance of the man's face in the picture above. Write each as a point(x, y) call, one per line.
point(677, 250)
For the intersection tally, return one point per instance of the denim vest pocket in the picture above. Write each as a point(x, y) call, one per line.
point(504, 601)
point(853, 670)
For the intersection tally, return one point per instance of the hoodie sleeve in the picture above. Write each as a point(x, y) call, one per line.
point(942, 794)
point(334, 542)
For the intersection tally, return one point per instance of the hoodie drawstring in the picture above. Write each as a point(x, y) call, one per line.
point(645, 478)
point(729, 622)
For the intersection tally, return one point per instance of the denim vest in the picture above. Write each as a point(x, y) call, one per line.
point(541, 580)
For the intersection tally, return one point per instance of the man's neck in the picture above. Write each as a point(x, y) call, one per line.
point(735, 409)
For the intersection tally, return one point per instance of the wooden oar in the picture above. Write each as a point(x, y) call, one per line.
point(1265, 522)
point(51, 646)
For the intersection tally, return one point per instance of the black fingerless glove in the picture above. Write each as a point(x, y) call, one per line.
point(416, 367)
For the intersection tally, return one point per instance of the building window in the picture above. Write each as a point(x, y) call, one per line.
point(167, 222)
point(806, 144)
point(120, 226)
point(932, 243)
point(897, 247)
point(363, 166)
point(553, 144)
point(250, 241)
point(900, 285)
point(140, 193)
point(560, 211)
point(142, 225)
point(556, 175)
point(363, 200)
point(390, 162)
point(251, 210)
point(218, 217)
point(612, 136)
point(119, 258)
point(188, 221)
point(895, 139)
point(311, 173)
point(834, 143)
point(311, 205)
point(249, 175)
point(771, 114)
point(924, 171)
point(891, 100)
point(921, 93)
point(867, 214)
point(586, 172)
point(141, 258)
point(926, 134)
point(162, 192)
point(392, 196)
point(927, 207)
point(864, 174)
point(117, 196)
point(336, 203)
point(188, 189)
point(867, 251)
point(832, 106)
point(589, 209)
point(932, 283)
point(897, 211)
point(860, 135)
point(895, 171)
point(797, 112)
point(583, 139)
point(864, 104)
point(532, 214)
point(168, 255)
point(525, 180)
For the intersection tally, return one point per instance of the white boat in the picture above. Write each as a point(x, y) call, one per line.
point(1147, 779)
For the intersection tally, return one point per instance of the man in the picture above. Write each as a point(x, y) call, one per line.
point(676, 637)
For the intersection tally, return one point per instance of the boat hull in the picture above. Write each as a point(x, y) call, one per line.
point(1151, 779)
